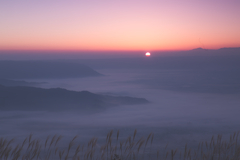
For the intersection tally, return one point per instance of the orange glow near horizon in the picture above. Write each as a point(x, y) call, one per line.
point(126, 25)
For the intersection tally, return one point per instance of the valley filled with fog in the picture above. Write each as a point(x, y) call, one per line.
point(188, 101)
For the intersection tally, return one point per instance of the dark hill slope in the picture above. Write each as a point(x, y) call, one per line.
point(8, 82)
point(31, 98)
point(44, 69)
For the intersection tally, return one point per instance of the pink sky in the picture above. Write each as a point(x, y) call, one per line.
point(119, 25)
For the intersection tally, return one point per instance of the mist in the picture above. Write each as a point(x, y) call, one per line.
point(190, 99)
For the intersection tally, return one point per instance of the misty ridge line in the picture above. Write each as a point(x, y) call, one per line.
point(8, 82)
point(56, 99)
point(44, 69)
point(117, 148)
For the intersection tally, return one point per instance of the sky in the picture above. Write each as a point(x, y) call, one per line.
point(96, 25)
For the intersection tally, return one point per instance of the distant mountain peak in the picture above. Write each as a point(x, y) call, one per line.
point(199, 49)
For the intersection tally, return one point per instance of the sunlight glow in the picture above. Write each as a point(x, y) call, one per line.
point(148, 54)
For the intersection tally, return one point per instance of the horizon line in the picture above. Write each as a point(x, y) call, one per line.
point(56, 50)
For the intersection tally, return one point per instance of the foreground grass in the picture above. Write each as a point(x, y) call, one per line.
point(115, 149)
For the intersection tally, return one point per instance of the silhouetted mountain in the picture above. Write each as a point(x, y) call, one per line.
point(199, 49)
point(8, 82)
point(44, 69)
point(31, 98)
point(215, 52)
point(220, 49)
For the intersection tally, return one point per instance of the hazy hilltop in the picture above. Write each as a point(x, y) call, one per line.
point(8, 82)
point(31, 98)
point(44, 69)
point(214, 52)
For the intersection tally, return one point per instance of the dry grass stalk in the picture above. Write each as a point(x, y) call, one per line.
point(130, 149)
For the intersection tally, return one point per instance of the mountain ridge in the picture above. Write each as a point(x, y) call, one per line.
point(32, 98)
point(44, 69)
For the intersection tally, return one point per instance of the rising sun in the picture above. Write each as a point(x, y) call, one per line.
point(148, 54)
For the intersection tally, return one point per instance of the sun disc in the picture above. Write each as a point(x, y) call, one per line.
point(148, 54)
